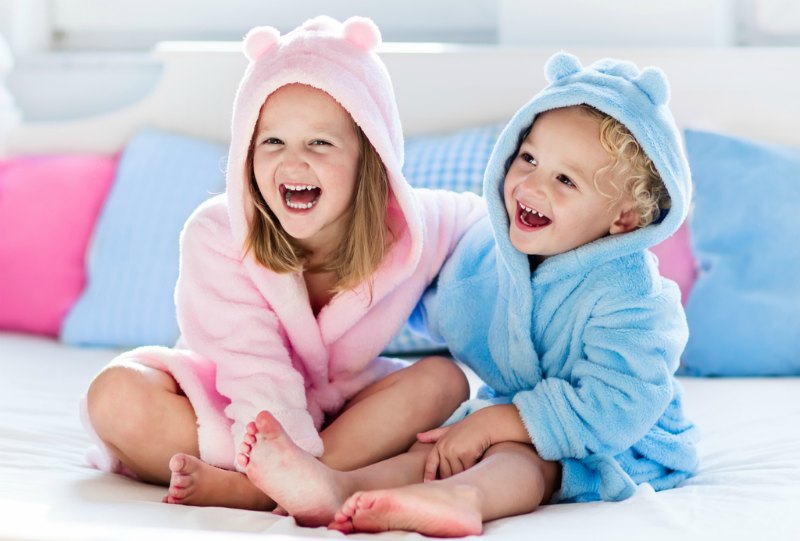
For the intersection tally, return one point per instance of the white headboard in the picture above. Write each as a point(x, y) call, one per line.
point(751, 92)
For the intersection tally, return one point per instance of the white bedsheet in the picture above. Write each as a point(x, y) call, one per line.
point(748, 486)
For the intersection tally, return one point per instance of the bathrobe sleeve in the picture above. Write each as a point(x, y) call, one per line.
point(617, 388)
point(224, 317)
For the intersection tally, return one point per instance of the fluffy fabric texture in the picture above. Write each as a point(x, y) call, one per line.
point(48, 208)
point(744, 313)
point(250, 340)
point(587, 345)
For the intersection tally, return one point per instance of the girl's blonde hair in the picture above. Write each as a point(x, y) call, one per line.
point(632, 171)
point(361, 248)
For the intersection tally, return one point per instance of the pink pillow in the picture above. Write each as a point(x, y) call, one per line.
point(48, 207)
point(675, 260)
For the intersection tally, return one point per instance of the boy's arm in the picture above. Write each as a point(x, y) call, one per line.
point(619, 388)
point(459, 446)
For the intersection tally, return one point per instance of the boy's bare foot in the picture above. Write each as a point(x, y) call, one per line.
point(431, 509)
point(301, 485)
point(194, 482)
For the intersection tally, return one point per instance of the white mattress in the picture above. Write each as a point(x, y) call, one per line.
point(748, 486)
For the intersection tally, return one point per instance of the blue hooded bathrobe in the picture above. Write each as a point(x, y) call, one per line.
point(586, 346)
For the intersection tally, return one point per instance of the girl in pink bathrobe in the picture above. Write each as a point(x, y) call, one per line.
point(291, 283)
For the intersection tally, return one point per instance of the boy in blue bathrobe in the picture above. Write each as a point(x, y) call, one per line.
point(556, 303)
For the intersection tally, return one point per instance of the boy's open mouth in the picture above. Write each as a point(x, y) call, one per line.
point(530, 217)
point(300, 196)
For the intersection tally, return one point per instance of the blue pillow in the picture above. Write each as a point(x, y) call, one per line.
point(744, 309)
point(133, 258)
point(456, 162)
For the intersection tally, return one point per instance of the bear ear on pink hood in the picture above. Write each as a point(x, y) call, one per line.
point(362, 32)
point(259, 41)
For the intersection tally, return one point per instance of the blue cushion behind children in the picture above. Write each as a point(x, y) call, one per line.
point(133, 257)
point(744, 310)
point(453, 161)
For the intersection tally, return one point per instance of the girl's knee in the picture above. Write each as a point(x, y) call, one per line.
point(441, 375)
point(118, 396)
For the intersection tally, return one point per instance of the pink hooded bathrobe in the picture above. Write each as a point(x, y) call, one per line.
point(249, 339)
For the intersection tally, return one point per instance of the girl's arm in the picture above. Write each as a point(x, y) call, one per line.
point(224, 317)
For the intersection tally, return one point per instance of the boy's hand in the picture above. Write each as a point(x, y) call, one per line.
point(457, 447)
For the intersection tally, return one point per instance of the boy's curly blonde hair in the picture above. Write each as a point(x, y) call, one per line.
point(632, 171)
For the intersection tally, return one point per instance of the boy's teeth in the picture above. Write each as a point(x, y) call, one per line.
point(529, 209)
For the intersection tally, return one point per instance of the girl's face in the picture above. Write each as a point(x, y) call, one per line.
point(305, 160)
point(550, 194)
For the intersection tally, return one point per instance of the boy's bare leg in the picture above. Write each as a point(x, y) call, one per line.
point(305, 487)
point(510, 480)
point(141, 414)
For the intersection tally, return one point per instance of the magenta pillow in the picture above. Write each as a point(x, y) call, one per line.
point(676, 262)
point(48, 207)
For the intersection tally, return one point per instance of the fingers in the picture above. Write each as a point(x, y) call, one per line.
point(431, 465)
point(432, 436)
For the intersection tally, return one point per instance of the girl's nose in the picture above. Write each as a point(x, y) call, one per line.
point(292, 160)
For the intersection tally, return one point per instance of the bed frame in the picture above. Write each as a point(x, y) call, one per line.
point(748, 486)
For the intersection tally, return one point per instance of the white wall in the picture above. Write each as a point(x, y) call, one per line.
point(69, 64)
point(566, 23)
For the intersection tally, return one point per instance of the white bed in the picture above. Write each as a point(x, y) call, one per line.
point(748, 486)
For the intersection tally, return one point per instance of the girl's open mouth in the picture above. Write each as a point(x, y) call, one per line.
point(300, 196)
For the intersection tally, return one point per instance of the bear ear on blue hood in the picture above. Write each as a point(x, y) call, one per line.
point(561, 65)
point(653, 82)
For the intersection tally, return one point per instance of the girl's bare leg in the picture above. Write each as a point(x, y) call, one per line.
point(306, 488)
point(143, 416)
point(383, 420)
point(510, 480)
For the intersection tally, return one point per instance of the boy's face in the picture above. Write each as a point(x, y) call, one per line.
point(552, 199)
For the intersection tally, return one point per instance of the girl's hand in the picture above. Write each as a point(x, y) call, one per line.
point(456, 447)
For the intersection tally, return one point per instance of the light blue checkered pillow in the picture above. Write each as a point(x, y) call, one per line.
point(133, 258)
point(454, 161)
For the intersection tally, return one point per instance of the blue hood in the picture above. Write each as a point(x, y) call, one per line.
point(636, 98)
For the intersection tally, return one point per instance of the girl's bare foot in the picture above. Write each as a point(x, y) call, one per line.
point(193, 482)
point(300, 484)
point(431, 509)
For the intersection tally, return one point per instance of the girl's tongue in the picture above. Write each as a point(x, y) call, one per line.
point(301, 197)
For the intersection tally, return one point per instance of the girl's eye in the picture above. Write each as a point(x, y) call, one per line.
point(272, 141)
point(319, 142)
point(566, 181)
point(528, 158)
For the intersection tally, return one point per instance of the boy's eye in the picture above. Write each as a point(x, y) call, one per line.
point(565, 180)
point(528, 158)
